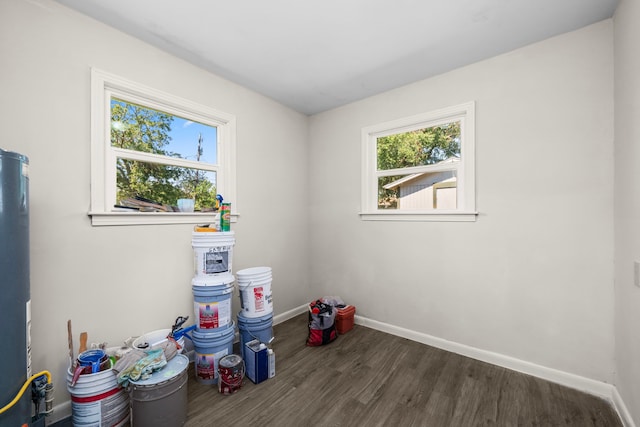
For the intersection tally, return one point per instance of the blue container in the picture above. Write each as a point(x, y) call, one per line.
point(210, 347)
point(212, 307)
point(254, 328)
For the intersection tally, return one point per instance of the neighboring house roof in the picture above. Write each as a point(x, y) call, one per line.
point(403, 180)
point(413, 176)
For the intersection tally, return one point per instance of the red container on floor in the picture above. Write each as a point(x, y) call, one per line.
point(344, 319)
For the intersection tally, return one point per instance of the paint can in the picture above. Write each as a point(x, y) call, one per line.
point(230, 374)
point(213, 253)
point(97, 399)
point(161, 399)
point(210, 347)
point(212, 301)
point(254, 284)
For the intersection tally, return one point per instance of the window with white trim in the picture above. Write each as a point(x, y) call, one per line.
point(420, 168)
point(141, 166)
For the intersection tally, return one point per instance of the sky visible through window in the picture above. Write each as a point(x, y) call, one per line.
point(184, 140)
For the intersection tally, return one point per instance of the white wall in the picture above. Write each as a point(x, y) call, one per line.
point(627, 206)
point(115, 282)
point(532, 278)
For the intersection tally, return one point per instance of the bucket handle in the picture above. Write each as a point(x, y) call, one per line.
point(240, 293)
point(249, 284)
point(256, 338)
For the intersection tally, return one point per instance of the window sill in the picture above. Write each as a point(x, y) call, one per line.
point(419, 216)
point(153, 218)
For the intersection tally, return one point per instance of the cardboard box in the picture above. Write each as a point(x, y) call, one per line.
point(257, 361)
point(345, 319)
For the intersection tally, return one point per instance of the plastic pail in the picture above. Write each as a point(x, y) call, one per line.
point(151, 339)
point(254, 273)
point(212, 301)
point(254, 328)
point(254, 284)
point(210, 347)
point(98, 400)
point(161, 400)
point(213, 252)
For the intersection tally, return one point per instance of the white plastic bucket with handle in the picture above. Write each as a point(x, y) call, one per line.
point(97, 399)
point(213, 252)
point(254, 284)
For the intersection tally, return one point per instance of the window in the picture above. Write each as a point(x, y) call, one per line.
point(420, 168)
point(149, 149)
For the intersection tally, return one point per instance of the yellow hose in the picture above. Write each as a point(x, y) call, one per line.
point(24, 387)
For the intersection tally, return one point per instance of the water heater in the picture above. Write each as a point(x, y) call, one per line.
point(15, 294)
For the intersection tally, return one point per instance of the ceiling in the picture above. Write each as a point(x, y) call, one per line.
point(315, 55)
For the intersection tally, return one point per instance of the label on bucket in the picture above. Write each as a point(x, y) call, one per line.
point(216, 260)
point(258, 297)
point(107, 409)
point(207, 364)
point(211, 315)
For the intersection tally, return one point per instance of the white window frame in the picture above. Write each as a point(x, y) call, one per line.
point(103, 156)
point(466, 205)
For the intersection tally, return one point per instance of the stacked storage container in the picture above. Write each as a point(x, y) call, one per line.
point(255, 322)
point(212, 287)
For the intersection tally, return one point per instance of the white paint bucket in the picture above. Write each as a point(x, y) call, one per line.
point(98, 400)
point(213, 252)
point(254, 284)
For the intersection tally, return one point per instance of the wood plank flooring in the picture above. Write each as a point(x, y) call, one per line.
point(369, 378)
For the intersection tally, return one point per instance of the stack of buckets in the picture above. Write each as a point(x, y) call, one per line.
point(212, 287)
point(255, 320)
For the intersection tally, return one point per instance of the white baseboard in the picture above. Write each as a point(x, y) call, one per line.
point(290, 314)
point(597, 388)
point(624, 413)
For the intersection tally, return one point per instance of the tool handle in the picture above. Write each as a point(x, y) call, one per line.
point(83, 342)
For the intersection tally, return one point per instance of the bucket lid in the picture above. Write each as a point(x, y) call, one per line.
point(201, 334)
point(229, 361)
point(172, 369)
point(262, 319)
point(213, 280)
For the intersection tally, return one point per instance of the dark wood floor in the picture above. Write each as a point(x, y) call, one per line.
point(369, 378)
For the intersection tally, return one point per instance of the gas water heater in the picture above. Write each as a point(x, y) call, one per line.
point(15, 293)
